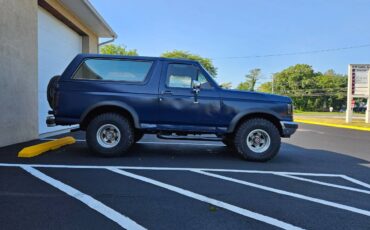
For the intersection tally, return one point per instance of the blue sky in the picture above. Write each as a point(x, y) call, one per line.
point(219, 29)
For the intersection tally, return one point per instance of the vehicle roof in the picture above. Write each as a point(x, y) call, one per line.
point(134, 57)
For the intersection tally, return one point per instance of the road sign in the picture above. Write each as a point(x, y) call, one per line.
point(359, 74)
point(358, 87)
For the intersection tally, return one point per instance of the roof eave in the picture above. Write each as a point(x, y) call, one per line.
point(86, 12)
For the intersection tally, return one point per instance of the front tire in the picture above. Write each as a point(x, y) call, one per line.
point(109, 135)
point(257, 140)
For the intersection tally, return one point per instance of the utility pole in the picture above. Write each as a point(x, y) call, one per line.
point(349, 95)
point(367, 117)
point(272, 84)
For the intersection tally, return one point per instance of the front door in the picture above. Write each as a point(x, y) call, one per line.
point(178, 103)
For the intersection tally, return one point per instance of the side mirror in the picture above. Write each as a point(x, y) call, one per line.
point(196, 88)
point(196, 85)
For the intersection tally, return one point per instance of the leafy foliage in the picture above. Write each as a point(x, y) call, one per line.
point(118, 50)
point(265, 87)
point(310, 90)
point(244, 86)
point(250, 80)
point(206, 62)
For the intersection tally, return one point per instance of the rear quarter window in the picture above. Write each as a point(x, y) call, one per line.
point(113, 70)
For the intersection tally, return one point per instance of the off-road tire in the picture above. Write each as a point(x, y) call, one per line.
point(240, 140)
point(125, 129)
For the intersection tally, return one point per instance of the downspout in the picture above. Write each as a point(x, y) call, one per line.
point(106, 42)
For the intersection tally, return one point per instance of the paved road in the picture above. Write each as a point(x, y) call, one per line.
point(320, 180)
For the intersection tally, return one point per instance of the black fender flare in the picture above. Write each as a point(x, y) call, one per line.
point(244, 113)
point(119, 104)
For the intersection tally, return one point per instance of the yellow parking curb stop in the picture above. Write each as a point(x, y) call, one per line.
point(35, 150)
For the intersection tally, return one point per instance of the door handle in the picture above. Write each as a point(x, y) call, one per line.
point(167, 92)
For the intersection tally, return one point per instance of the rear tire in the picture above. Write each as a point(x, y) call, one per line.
point(50, 93)
point(257, 140)
point(109, 135)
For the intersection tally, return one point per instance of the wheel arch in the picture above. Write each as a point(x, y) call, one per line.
point(106, 107)
point(244, 116)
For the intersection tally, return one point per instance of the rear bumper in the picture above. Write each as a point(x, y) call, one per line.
point(50, 121)
point(288, 128)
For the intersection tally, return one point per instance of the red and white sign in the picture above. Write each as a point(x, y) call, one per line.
point(358, 87)
point(359, 76)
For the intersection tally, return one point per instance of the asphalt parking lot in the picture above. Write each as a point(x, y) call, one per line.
point(320, 180)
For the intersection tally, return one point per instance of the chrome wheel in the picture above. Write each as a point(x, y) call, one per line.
point(108, 136)
point(258, 141)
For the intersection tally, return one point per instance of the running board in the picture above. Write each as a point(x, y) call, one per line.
point(170, 137)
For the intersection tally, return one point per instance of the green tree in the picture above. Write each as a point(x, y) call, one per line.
point(244, 86)
point(295, 79)
point(206, 62)
point(310, 90)
point(118, 50)
point(265, 87)
point(250, 80)
point(333, 88)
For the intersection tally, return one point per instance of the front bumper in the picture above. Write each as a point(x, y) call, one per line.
point(288, 128)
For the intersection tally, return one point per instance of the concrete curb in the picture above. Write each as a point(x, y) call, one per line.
point(332, 125)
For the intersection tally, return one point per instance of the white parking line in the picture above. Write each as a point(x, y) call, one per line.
point(201, 169)
point(295, 195)
point(169, 169)
point(115, 216)
point(230, 207)
point(130, 224)
point(323, 183)
point(355, 181)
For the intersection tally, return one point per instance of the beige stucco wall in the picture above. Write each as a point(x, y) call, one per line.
point(18, 71)
point(18, 67)
point(90, 42)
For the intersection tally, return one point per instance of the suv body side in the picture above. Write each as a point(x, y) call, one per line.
point(78, 97)
point(180, 109)
point(154, 106)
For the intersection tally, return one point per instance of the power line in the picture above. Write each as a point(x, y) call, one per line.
point(297, 53)
point(338, 88)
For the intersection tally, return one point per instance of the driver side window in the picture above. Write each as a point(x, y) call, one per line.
point(180, 75)
point(204, 84)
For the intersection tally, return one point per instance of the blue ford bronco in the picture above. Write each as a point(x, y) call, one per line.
point(118, 99)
